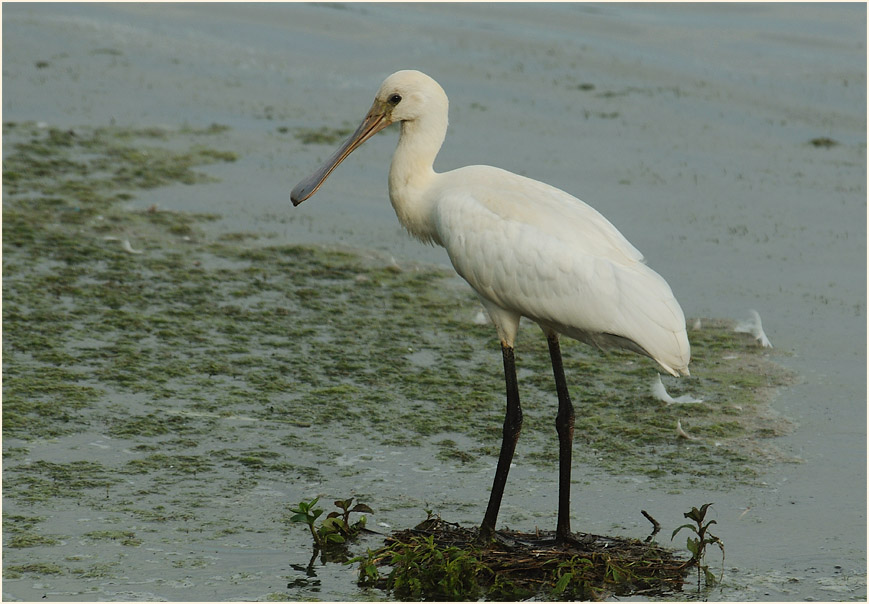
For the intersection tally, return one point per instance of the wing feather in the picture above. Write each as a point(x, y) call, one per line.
point(531, 248)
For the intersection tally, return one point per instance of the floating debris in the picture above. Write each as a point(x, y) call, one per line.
point(823, 141)
point(754, 327)
point(660, 393)
point(682, 432)
point(125, 244)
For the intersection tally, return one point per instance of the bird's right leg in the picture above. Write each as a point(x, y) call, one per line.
point(512, 427)
point(564, 425)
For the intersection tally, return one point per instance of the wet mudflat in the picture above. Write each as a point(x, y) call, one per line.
point(162, 410)
point(157, 383)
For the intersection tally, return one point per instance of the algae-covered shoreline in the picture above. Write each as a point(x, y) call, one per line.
point(165, 378)
point(695, 129)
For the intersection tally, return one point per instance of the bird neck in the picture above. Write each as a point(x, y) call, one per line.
point(412, 173)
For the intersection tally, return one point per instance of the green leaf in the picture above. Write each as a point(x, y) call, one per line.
point(303, 506)
point(361, 507)
point(562, 583)
point(333, 525)
point(694, 515)
point(698, 515)
point(692, 546)
point(687, 526)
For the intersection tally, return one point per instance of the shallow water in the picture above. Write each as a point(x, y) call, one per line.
point(688, 126)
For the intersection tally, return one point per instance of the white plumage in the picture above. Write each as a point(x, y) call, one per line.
point(526, 248)
point(538, 252)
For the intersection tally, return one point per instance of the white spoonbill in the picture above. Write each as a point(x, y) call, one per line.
point(528, 250)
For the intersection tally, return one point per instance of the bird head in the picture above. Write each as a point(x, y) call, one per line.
point(409, 95)
point(405, 96)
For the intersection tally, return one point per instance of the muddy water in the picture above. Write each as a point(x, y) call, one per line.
point(726, 142)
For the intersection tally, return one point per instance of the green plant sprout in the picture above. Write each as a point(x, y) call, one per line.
point(425, 569)
point(697, 545)
point(307, 513)
point(342, 521)
point(335, 528)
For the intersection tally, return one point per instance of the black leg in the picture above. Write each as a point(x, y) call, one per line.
point(564, 425)
point(512, 427)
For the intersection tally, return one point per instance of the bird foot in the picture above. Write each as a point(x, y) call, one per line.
point(569, 539)
point(487, 538)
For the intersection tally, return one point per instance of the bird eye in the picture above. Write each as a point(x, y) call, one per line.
point(395, 99)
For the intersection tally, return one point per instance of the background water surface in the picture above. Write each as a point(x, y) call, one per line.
point(688, 126)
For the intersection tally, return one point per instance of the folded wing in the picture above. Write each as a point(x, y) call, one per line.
point(535, 250)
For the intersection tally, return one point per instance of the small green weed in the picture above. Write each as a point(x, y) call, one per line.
point(697, 545)
point(569, 578)
point(335, 529)
point(426, 570)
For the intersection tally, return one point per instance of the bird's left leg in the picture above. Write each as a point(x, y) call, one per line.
point(564, 425)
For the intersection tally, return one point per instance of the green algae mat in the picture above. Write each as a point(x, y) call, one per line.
point(138, 325)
